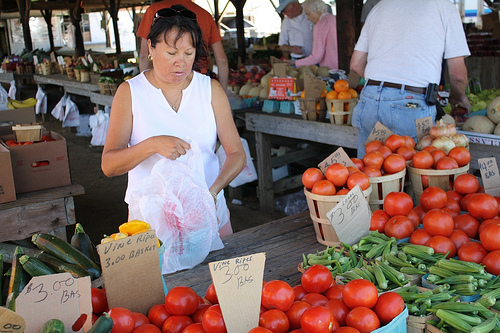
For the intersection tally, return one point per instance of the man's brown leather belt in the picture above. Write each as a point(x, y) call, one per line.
point(397, 86)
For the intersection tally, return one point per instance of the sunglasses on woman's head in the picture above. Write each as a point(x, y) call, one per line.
point(170, 12)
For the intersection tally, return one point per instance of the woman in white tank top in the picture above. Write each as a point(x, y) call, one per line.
point(155, 114)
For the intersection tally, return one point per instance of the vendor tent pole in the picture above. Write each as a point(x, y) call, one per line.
point(24, 7)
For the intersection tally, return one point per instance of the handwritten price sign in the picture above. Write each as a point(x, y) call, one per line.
point(423, 126)
point(351, 217)
point(238, 284)
point(11, 322)
point(338, 156)
point(489, 174)
point(379, 132)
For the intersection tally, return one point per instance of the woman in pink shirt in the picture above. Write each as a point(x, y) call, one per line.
point(325, 48)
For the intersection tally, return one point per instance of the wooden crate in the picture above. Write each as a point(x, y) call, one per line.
point(27, 133)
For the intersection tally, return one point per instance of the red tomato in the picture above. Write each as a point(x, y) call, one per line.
point(337, 173)
point(358, 163)
point(335, 292)
point(422, 160)
point(94, 318)
point(347, 329)
point(437, 155)
point(274, 320)
point(123, 320)
point(176, 324)
point(194, 328)
point(453, 213)
point(420, 236)
point(316, 279)
point(483, 205)
point(453, 205)
point(468, 224)
point(158, 314)
point(359, 292)
point(442, 244)
point(433, 197)
point(492, 262)
point(394, 141)
point(399, 227)
point(299, 292)
point(339, 310)
point(318, 319)
point(472, 251)
point(146, 328)
point(459, 238)
point(409, 141)
point(373, 145)
point(454, 195)
point(140, 319)
point(99, 300)
point(78, 324)
point(389, 306)
point(210, 295)
point(465, 201)
point(295, 312)
point(378, 220)
point(315, 299)
point(386, 151)
point(181, 300)
point(484, 224)
point(277, 294)
point(363, 319)
point(311, 176)
point(324, 187)
point(373, 158)
point(260, 330)
point(414, 218)
point(198, 315)
point(358, 178)
point(438, 222)
point(212, 320)
point(466, 183)
point(490, 236)
point(371, 171)
point(420, 212)
point(394, 163)
point(406, 152)
point(446, 163)
point(398, 203)
point(461, 155)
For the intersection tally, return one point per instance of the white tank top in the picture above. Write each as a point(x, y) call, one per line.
point(194, 120)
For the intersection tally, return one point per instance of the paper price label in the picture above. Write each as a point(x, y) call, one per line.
point(351, 217)
point(489, 174)
point(423, 126)
point(238, 284)
point(338, 156)
point(379, 132)
point(11, 322)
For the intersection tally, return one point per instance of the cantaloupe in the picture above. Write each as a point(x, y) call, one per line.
point(290, 71)
point(479, 124)
point(263, 93)
point(264, 81)
point(255, 91)
point(323, 71)
point(245, 89)
point(493, 110)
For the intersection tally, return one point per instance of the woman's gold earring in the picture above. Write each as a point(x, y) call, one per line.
point(150, 58)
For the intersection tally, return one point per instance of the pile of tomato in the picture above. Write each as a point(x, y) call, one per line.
point(13, 143)
point(317, 305)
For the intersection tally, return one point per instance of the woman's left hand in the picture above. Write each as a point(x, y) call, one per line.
point(170, 147)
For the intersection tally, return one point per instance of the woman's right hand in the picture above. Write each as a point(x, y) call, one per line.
point(170, 147)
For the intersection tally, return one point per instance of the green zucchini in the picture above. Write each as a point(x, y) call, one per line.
point(103, 324)
point(82, 242)
point(19, 278)
point(66, 252)
point(60, 266)
point(35, 267)
point(53, 326)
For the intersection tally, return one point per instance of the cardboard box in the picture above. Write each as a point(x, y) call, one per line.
point(40, 165)
point(8, 118)
point(7, 190)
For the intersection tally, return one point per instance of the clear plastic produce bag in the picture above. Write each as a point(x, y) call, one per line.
point(41, 101)
point(175, 201)
point(60, 109)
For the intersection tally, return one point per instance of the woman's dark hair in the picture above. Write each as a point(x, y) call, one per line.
point(184, 24)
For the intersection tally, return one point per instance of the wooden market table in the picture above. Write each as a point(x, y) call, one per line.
point(69, 85)
point(291, 126)
point(47, 211)
point(8, 77)
point(284, 241)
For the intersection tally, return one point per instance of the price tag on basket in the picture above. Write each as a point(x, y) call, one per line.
point(11, 322)
point(489, 174)
point(338, 156)
point(423, 126)
point(379, 132)
point(238, 284)
point(56, 296)
point(351, 217)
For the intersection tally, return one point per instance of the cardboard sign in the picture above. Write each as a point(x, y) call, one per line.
point(489, 174)
point(423, 126)
point(52, 57)
point(351, 217)
point(238, 284)
point(279, 67)
point(313, 86)
point(379, 132)
point(132, 274)
point(11, 322)
point(57, 296)
point(281, 88)
point(338, 156)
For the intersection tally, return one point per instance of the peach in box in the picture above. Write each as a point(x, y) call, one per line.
point(41, 165)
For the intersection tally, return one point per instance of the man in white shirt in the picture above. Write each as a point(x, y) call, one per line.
point(296, 36)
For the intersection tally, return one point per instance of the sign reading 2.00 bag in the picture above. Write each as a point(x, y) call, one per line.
point(282, 88)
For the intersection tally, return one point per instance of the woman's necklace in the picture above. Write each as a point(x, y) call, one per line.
point(175, 105)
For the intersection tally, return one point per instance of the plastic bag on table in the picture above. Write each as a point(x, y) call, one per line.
point(71, 114)
point(248, 174)
point(12, 90)
point(235, 101)
point(99, 124)
point(41, 101)
point(59, 110)
point(4, 99)
point(175, 201)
